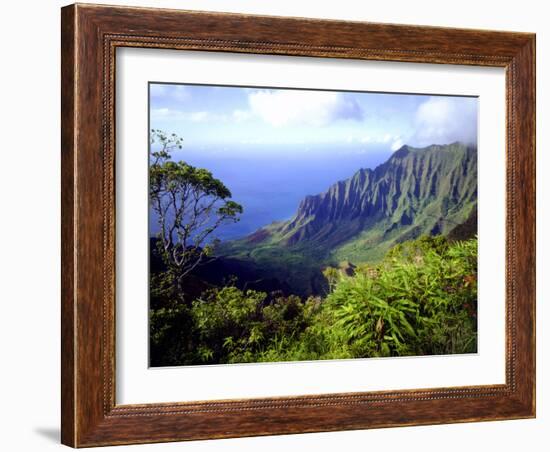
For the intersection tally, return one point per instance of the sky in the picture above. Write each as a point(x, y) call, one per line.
point(273, 147)
point(247, 119)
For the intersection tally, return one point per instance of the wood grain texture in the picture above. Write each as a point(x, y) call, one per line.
point(90, 36)
point(67, 226)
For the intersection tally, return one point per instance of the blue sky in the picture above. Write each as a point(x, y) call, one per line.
point(248, 119)
point(273, 147)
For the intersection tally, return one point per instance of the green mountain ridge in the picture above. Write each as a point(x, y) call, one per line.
point(417, 191)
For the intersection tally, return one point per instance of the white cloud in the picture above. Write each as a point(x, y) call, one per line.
point(397, 144)
point(240, 115)
point(160, 112)
point(199, 116)
point(289, 107)
point(194, 116)
point(252, 141)
point(443, 120)
point(169, 92)
point(395, 141)
point(386, 138)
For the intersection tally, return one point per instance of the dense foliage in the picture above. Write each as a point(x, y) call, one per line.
point(421, 299)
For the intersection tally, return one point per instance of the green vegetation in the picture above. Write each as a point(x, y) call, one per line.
point(428, 191)
point(382, 264)
point(419, 300)
point(190, 205)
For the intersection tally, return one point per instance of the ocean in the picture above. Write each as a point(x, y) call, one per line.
point(270, 186)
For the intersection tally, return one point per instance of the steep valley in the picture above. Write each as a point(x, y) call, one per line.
point(417, 191)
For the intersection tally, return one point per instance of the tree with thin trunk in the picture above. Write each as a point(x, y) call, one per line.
point(190, 205)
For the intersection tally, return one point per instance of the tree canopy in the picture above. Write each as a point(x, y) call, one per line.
point(190, 205)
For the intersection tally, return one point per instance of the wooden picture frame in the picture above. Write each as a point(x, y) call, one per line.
point(90, 36)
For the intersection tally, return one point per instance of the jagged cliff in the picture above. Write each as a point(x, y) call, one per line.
point(432, 188)
point(416, 191)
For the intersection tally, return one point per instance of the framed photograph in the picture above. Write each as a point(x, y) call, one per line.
point(282, 225)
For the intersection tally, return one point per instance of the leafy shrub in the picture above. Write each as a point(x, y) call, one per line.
point(233, 325)
point(421, 299)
